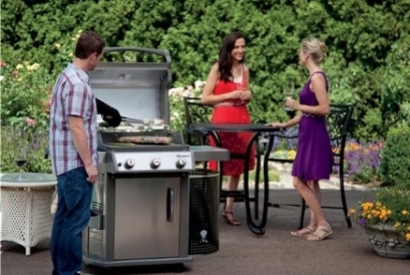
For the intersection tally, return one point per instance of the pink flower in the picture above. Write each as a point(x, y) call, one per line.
point(2, 64)
point(15, 72)
point(30, 121)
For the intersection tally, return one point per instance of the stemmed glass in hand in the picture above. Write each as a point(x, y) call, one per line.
point(20, 158)
point(241, 87)
point(289, 92)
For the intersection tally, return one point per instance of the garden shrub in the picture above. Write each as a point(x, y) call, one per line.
point(395, 157)
point(35, 144)
point(363, 45)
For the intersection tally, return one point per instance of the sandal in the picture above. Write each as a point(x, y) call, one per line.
point(232, 220)
point(306, 231)
point(321, 233)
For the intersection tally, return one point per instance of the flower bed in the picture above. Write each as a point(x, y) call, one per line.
point(362, 161)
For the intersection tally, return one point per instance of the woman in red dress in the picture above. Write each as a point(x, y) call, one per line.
point(227, 89)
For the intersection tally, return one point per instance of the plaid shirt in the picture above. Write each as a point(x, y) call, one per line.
point(72, 96)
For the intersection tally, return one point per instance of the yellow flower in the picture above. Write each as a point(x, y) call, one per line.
point(19, 79)
point(73, 39)
point(35, 66)
point(369, 216)
point(77, 36)
point(404, 212)
point(388, 212)
point(397, 224)
point(80, 31)
point(70, 54)
point(19, 66)
point(57, 45)
point(408, 237)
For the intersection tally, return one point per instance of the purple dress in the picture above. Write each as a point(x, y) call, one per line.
point(314, 157)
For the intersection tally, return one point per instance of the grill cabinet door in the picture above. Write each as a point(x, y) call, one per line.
point(147, 218)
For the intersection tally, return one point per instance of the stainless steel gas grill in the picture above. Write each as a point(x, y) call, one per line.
point(140, 205)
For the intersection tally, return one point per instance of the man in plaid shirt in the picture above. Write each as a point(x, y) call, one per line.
point(73, 152)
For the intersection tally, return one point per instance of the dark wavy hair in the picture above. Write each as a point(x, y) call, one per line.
point(225, 61)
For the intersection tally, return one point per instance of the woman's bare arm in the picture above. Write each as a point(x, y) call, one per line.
point(293, 121)
point(208, 97)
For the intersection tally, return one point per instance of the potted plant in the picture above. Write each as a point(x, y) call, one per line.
point(386, 220)
point(386, 217)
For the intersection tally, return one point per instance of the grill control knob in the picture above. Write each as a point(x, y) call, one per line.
point(180, 163)
point(155, 163)
point(129, 163)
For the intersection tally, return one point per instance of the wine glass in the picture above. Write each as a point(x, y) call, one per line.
point(289, 92)
point(20, 158)
point(240, 86)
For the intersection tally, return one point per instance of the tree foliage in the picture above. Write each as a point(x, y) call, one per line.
point(368, 44)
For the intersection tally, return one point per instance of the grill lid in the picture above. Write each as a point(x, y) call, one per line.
point(136, 89)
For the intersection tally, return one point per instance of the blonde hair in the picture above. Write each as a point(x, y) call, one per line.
point(315, 48)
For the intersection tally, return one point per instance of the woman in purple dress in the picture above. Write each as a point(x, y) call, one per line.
point(314, 158)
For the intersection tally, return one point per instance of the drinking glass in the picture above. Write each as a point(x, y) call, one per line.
point(20, 158)
point(239, 86)
point(288, 93)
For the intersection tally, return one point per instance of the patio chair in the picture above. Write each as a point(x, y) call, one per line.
point(338, 122)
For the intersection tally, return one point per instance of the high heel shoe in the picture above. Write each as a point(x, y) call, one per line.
point(231, 220)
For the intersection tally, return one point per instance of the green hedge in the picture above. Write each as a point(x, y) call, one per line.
point(368, 44)
point(395, 157)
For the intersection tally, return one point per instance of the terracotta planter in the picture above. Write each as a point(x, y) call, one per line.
point(387, 242)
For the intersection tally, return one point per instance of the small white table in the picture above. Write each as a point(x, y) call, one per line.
point(26, 216)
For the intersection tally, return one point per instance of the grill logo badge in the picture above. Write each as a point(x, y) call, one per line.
point(203, 234)
point(183, 156)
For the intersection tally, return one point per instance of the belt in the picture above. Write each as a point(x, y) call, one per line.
point(312, 115)
point(230, 104)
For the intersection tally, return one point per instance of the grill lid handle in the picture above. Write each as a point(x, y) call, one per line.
point(164, 53)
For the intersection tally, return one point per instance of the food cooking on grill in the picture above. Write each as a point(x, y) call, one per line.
point(158, 122)
point(104, 124)
point(145, 139)
point(122, 144)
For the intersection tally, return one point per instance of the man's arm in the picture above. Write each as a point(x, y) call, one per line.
point(76, 125)
point(77, 103)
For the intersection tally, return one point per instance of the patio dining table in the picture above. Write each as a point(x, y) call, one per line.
point(257, 130)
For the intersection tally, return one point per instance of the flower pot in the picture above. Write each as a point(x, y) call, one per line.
point(387, 242)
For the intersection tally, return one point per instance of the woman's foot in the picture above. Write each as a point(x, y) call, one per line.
point(304, 231)
point(230, 218)
point(321, 233)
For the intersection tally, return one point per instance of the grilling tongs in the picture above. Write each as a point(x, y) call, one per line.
point(132, 120)
point(112, 116)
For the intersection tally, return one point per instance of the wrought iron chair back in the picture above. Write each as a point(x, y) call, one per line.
point(196, 112)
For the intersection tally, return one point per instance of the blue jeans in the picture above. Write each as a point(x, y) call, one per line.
point(72, 216)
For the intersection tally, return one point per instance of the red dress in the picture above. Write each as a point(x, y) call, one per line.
point(234, 142)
